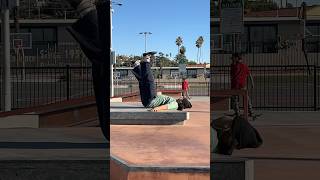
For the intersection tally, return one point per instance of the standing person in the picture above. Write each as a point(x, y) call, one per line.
point(185, 88)
point(239, 74)
point(147, 87)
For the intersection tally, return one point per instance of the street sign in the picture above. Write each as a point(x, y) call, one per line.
point(7, 4)
point(232, 16)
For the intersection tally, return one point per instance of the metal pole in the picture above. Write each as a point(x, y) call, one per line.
point(111, 63)
point(315, 88)
point(6, 57)
point(68, 81)
point(145, 42)
point(29, 4)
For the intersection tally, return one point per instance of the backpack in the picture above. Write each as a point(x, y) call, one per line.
point(235, 133)
point(223, 127)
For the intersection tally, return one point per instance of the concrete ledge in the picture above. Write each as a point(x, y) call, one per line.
point(122, 170)
point(54, 115)
point(27, 121)
point(148, 118)
point(134, 114)
point(54, 169)
point(230, 168)
point(116, 99)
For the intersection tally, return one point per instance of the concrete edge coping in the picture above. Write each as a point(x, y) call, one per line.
point(62, 109)
point(187, 114)
point(158, 168)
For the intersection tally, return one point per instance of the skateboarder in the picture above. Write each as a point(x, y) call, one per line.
point(147, 87)
point(239, 74)
point(185, 88)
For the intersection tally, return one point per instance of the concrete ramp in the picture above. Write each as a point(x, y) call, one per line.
point(136, 114)
point(159, 153)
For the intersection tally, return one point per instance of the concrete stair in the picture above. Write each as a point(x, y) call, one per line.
point(54, 153)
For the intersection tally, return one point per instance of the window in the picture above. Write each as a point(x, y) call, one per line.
point(262, 39)
point(42, 38)
point(192, 73)
point(313, 42)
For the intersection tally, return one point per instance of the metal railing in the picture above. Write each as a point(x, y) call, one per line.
point(277, 88)
point(34, 86)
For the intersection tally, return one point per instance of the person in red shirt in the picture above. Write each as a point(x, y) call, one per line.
point(239, 74)
point(185, 88)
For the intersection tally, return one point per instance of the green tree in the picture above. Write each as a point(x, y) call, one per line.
point(182, 50)
point(191, 63)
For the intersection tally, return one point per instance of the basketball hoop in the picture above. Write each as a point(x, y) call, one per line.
point(17, 43)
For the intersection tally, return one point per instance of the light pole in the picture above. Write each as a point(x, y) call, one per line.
point(111, 54)
point(145, 39)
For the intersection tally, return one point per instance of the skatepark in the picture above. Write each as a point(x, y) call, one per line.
point(164, 148)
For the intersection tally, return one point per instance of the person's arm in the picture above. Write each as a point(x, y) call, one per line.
point(160, 108)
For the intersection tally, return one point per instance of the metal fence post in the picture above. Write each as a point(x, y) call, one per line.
point(68, 81)
point(315, 88)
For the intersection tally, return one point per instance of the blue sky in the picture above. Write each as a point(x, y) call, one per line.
point(166, 19)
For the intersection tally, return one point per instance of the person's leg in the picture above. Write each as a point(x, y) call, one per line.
point(250, 109)
point(188, 96)
point(147, 88)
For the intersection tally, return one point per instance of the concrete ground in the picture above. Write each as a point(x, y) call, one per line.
point(170, 146)
point(60, 153)
point(291, 146)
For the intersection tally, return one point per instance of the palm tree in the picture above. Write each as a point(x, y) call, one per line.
point(179, 42)
point(182, 50)
point(199, 43)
